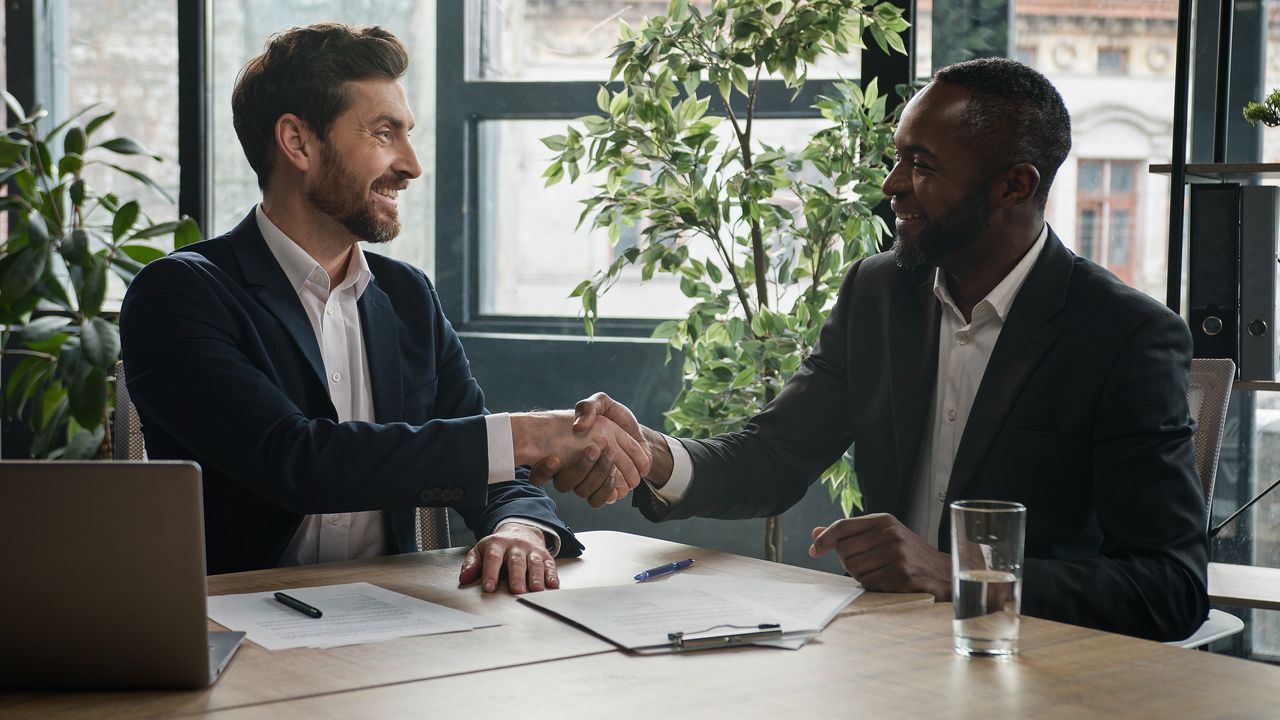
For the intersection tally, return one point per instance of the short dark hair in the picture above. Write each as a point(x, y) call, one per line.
point(1015, 115)
point(304, 71)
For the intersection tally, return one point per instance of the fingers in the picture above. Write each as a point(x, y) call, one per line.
point(553, 574)
point(544, 472)
point(517, 568)
point(492, 556)
point(536, 566)
point(470, 567)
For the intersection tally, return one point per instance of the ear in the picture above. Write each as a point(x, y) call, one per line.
point(295, 142)
point(1016, 185)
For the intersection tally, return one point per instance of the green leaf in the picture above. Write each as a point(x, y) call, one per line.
point(743, 379)
point(555, 143)
point(127, 146)
point(188, 232)
point(23, 274)
point(90, 283)
point(100, 343)
point(125, 217)
point(84, 444)
point(143, 254)
point(75, 141)
point(88, 399)
point(15, 107)
point(142, 178)
point(75, 247)
point(98, 122)
point(42, 329)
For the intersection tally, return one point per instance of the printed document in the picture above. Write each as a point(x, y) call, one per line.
point(353, 613)
point(640, 617)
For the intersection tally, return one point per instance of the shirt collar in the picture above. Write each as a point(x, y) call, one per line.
point(299, 267)
point(1001, 297)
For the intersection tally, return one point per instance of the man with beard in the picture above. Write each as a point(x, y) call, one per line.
point(979, 359)
point(322, 389)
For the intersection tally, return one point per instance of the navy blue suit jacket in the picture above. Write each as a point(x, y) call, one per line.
point(224, 368)
point(1081, 416)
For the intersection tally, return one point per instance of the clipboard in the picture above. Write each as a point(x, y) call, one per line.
point(687, 612)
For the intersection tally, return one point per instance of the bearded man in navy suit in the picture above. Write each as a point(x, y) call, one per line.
point(321, 388)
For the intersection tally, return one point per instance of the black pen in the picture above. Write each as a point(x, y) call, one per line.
point(298, 605)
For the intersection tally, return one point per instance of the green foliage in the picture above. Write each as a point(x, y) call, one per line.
point(780, 240)
point(1267, 112)
point(64, 238)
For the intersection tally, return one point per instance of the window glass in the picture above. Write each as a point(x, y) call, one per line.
point(1113, 60)
point(238, 31)
point(572, 39)
point(1090, 176)
point(123, 54)
point(1088, 232)
point(531, 254)
point(1118, 240)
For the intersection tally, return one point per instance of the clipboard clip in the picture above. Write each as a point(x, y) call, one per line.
point(736, 635)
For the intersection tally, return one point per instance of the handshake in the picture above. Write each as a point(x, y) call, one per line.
point(599, 451)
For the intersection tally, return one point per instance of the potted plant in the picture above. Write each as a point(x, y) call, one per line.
point(779, 241)
point(64, 239)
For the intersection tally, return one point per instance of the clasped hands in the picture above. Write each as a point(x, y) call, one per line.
point(597, 452)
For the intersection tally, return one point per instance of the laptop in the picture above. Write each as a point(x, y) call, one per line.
point(104, 577)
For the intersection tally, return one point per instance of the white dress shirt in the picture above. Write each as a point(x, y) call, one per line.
point(964, 348)
point(335, 319)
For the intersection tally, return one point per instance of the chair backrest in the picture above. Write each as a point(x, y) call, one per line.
point(1208, 394)
point(126, 426)
point(433, 528)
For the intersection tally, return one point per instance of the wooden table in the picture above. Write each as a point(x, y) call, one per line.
point(886, 656)
point(525, 636)
point(1244, 586)
point(891, 664)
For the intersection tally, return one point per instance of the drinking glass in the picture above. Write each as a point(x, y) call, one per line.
point(986, 575)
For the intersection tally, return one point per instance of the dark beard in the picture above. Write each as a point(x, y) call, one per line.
point(336, 195)
point(946, 234)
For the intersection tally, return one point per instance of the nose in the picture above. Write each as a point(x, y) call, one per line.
point(406, 163)
point(897, 181)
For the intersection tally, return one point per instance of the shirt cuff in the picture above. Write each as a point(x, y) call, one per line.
point(502, 449)
point(681, 474)
point(549, 533)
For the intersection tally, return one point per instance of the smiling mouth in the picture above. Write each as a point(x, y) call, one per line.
point(389, 193)
point(909, 216)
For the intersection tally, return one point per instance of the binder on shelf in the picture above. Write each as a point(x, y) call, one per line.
point(1259, 223)
point(1214, 254)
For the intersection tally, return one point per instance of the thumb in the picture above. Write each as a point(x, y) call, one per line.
point(585, 411)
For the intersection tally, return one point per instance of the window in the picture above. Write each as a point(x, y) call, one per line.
point(524, 72)
point(1106, 200)
point(1113, 60)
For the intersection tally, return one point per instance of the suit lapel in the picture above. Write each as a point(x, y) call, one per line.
point(382, 349)
point(1026, 336)
point(913, 352)
point(265, 278)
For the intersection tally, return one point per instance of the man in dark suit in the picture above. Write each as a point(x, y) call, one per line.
point(321, 388)
point(979, 359)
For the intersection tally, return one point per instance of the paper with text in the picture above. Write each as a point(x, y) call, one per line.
point(353, 613)
point(641, 616)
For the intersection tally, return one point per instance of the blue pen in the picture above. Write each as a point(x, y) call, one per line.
point(663, 570)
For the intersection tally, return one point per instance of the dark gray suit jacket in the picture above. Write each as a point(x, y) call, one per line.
point(1081, 416)
point(225, 370)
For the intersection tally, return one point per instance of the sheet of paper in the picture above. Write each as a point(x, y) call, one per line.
point(353, 613)
point(641, 616)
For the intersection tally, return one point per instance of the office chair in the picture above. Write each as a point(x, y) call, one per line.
point(1208, 394)
point(126, 427)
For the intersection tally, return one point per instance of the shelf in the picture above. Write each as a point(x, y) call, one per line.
point(1263, 385)
point(1218, 172)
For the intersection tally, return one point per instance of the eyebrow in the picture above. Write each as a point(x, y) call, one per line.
point(391, 120)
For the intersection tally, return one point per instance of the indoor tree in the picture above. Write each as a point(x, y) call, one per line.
point(760, 236)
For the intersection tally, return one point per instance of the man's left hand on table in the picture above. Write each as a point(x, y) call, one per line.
point(519, 549)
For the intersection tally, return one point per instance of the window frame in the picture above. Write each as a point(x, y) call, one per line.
point(463, 103)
